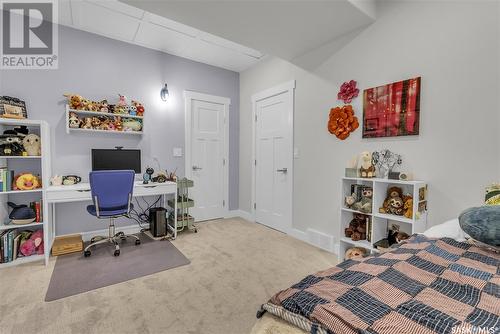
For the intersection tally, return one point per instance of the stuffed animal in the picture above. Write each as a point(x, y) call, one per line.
point(122, 101)
point(355, 253)
point(34, 245)
point(365, 203)
point(21, 214)
point(367, 169)
point(103, 106)
point(349, 200)
point(87, 123)
point(85, 104)
point(26, 181)
point(74, 121)
point(111, 108)
point(120, 110)
point(357, 227)
point(74, 101)
point(56, 180)
point(408, 207)
point(132, 110)
point(139, 107)
point(95, 122)
point(11, 143)
point(32, 145)
point(118, 124)
point(130, 124)
point(392, 192)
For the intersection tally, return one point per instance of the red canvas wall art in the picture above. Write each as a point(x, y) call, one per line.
point(392, 110)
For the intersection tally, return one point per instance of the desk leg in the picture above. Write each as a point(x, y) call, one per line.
point(175, 213)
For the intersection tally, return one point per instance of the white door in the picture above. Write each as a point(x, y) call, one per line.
point(274, 158)
point(206, 154)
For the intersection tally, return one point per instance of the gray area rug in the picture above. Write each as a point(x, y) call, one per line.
point(74, 273)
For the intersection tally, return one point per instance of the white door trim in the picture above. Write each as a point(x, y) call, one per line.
point(288, 86)
point(189, 96)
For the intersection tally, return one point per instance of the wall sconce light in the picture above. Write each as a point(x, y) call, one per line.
point(164, 93)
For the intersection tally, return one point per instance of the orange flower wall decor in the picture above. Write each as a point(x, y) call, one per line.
point(342, 121)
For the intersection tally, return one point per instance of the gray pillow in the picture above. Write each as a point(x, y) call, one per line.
point(482, 224)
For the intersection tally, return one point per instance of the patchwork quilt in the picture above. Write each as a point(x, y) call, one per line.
point(423, 286)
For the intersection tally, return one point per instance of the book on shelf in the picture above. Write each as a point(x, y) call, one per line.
point(37, 207)
point(6, 179)
point(9, 245)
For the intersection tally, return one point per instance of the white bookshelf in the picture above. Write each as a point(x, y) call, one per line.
point(86, 113)
point(37, 165)
point(380, 222)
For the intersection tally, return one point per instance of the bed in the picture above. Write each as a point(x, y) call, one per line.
point(422, 285)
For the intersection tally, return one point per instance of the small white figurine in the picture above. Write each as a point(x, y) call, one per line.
point(56, 180)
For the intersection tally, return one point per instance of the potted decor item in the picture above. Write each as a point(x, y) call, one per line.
point(32, 145)
point(385, 161)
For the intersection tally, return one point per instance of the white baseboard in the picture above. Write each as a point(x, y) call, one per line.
point(129, 229)
point(316, 238)
point(240, 213)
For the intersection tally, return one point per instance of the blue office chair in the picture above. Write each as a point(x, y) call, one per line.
point(112, 196)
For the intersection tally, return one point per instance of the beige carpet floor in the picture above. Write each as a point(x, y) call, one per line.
point(235, 267)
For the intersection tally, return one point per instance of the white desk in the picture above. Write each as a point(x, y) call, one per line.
point(81, 192)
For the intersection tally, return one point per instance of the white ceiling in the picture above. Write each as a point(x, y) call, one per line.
point(287, 29)
point(130, 24)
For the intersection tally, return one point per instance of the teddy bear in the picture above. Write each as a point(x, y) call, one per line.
point(74, 101)
point(357, 228)
point(355, 253)
point(33, 245)
point(367, 169)
point(408, 207)
point(32, 145)
point(365, 203)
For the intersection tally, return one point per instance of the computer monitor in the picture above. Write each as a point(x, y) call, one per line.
point(116, 159)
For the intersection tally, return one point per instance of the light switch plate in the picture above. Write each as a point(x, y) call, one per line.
point(177, 152)
point(296, 153)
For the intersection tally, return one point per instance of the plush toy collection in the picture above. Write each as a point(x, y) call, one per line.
point(121, 109)
point(397, 204)
point(18, 141)
point(357, 229)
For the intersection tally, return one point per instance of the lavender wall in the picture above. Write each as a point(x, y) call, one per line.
point(98, 68)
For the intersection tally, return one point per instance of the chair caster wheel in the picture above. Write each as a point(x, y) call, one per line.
point(117, 252)
point(86, 253)
point(260, 313)
point(195, 230)
point(137, 242)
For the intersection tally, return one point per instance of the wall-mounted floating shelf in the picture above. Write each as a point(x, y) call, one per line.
point(85, 113)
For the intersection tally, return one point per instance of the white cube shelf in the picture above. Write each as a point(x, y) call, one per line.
point(381, 221)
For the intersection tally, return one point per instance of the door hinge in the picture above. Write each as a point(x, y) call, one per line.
point(254, 206)
point(255, 162)
point(223, 162)
point(256, 118)
point(223, 203)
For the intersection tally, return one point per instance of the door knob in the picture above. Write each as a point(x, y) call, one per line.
point(196, 168)
point(283, 170)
